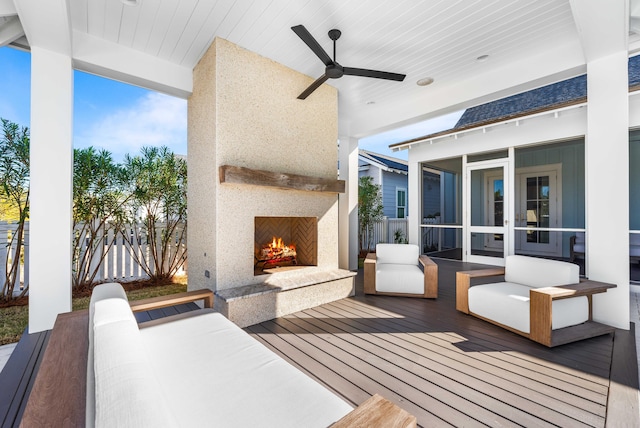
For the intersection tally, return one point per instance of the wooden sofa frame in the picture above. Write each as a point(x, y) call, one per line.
point(428, 266)
point(540, 312)
point(58, 397)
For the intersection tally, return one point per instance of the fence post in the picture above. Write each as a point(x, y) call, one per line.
point(385, 228)
point(25, 266)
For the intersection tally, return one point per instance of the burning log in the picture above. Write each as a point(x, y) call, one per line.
point(277, 253)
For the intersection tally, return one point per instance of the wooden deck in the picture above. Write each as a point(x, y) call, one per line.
point(446, 368)
point(450, 369)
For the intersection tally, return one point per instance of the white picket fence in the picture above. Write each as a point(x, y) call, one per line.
point(385, 231)
point(7, 230)
point(117, 265)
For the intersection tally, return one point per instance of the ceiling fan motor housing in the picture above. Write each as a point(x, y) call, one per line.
point(334, 71)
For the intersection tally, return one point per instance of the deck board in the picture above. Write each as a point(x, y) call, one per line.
point(18, 376)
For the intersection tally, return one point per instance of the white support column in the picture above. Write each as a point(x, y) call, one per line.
point(51, 187)
point(348, 204)
point(603, 30)
point(414, 184)
point(607, 170)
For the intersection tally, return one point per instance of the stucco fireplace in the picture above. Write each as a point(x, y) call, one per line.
point(262, 167)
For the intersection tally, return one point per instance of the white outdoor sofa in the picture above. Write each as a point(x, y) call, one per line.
point(544, 300)
point(192, 369)
point(400, 270)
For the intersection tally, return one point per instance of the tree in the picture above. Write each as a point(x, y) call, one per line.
point(157, 181)
point(14, 175)
point(369, 210)
point(98, 211)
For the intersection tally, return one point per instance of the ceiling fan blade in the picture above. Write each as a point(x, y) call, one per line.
point(313, 44)
point(373, 73)
point(319, 81)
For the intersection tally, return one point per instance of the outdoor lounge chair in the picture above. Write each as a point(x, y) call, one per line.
point(543, 300)
point(400, 270)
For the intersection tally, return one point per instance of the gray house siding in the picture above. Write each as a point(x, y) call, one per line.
point(390, 182)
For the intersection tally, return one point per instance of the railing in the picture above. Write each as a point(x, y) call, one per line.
point(118, 263)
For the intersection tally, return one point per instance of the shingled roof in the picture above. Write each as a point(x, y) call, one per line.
point(391, 163)
point(557, 95)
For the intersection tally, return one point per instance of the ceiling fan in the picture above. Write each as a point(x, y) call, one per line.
point(334, 70)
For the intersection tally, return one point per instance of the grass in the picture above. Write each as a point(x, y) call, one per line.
point(14, 319)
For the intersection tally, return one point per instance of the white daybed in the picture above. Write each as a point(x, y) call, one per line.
point(192, 369)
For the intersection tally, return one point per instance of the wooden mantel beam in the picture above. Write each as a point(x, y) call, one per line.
point(281, 180)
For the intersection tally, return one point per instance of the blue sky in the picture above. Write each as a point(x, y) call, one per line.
point(123, 118)
point(107, 114)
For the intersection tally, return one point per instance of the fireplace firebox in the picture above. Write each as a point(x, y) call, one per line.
point(285, 243)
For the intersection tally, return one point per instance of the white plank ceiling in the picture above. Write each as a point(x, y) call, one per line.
point(441, 39)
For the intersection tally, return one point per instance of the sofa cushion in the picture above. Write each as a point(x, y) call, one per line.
point(399, 278)
point(127, 392)
point(508, 304)
point(536, 272)
point(397, 254)
point(100, 292)
point(214, 372)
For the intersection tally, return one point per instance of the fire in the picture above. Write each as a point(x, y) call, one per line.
point(277, 249)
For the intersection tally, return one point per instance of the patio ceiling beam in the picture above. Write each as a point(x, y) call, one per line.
point(10, 31)
point(104, 58)
point(46, 24)
point(7, 8)
point(599, 28)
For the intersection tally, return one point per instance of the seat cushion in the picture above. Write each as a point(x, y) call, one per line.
point(399, 278)
point(536, 272)
point(397, 254)
point(508, 304)
point(111, 290)
point(213, 372)
point(127, 392)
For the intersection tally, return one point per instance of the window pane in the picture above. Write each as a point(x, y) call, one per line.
point(442, 192)
point(487, 244)
point(543, 187)
point(442, 242)
point(532, 188)
point(401, 198)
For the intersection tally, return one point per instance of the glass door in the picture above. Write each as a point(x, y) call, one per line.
point(537, 209)
point(487, 212)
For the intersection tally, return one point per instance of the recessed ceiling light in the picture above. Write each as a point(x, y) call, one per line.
point(425, 81)
point(482, 58)
point(131, 2)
